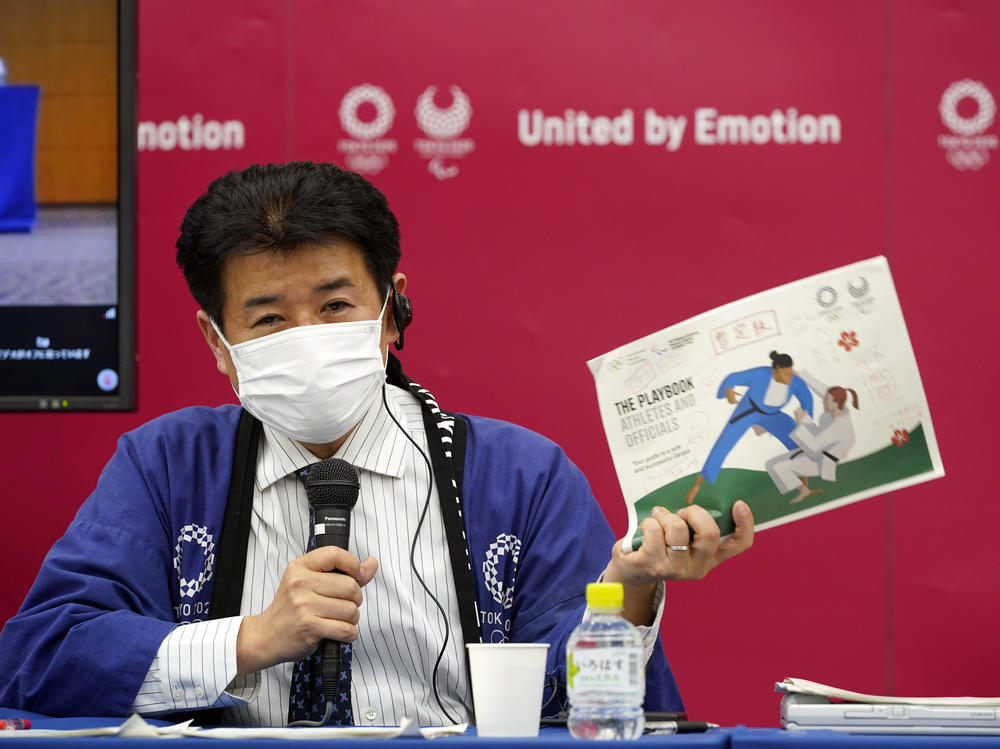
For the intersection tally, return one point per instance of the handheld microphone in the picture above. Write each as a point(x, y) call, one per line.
point(332, 487)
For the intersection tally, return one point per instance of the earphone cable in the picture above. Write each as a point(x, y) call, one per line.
point(413, 566)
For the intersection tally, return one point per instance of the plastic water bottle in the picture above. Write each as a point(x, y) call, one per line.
point(606, 670)
point(3, 73)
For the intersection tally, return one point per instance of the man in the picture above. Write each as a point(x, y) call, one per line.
point(465, 529)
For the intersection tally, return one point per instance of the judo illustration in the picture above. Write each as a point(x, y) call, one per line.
point(769, 390)
point(845, 421)
point(821, 446)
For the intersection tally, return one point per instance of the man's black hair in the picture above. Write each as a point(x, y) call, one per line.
point(279, 208)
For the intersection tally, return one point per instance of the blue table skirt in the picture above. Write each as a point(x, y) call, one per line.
point(548, 738)
point(18, 127)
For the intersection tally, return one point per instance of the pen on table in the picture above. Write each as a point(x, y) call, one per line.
point(679, 726)
point(14, 724)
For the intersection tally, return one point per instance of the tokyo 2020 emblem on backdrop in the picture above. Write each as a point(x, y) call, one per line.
point(367, 150)
point(968, 110)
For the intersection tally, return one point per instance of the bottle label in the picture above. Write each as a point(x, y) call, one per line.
point(613, 669)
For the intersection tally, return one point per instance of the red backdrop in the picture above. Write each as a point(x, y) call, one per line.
point(526, 260)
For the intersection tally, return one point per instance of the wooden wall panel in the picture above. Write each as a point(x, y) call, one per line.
point(69, 48)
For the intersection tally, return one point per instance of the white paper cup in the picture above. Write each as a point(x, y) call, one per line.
point(507, 683)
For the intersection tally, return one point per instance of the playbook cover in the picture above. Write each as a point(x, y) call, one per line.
point(797, 400)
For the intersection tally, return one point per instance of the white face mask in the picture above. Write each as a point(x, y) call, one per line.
point(311, 382)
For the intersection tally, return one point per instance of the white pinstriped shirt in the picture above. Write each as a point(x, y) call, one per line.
point(401, 631)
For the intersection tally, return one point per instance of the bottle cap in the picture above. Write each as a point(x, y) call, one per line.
point(605, 595)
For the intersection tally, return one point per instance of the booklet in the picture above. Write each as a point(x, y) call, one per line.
point(798, 400)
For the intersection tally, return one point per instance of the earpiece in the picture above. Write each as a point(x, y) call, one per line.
point(402, 314)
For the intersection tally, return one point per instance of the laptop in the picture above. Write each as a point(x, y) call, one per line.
point(807, 711)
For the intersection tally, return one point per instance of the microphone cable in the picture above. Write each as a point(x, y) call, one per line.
point(413, 549)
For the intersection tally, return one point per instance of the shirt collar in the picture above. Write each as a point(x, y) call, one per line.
point(376, 444)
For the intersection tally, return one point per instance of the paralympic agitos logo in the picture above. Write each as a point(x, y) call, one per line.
point(444, 126)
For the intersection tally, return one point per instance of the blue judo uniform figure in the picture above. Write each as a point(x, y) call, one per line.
point(756, 408)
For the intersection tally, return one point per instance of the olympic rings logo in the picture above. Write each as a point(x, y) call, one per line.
point(967, 89)
point(385, 113)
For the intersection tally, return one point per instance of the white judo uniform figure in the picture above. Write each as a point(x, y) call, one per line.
point(821, 445)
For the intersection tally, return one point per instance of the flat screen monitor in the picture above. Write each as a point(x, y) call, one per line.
point(67, 204)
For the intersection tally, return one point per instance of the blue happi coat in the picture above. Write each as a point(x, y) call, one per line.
point(139, 558)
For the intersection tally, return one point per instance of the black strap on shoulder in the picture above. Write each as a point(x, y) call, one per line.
point(449, 465)
point(458, 450)
point(448, 476)
point(231, 560)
